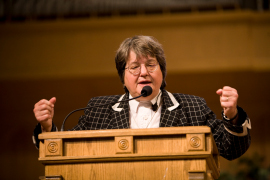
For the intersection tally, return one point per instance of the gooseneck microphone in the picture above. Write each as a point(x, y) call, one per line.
point(146, 91)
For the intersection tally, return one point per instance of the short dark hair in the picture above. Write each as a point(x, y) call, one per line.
point(142, 46)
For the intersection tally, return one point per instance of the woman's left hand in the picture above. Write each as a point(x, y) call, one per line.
point(228, 101)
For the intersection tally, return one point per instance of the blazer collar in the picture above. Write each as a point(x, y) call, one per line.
point(168, 99)
point(169, 116)
point(117, 106)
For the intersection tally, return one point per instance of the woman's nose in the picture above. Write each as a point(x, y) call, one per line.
point(144, 70)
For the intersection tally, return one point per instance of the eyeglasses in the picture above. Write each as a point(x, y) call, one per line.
point(135, 68)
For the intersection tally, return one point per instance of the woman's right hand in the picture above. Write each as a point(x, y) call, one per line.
point(44, 111)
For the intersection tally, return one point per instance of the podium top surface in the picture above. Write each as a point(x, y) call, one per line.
point(125, 132)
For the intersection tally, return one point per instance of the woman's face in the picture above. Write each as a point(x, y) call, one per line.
point(135, 83)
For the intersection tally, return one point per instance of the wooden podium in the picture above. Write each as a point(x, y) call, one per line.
point(130, 154)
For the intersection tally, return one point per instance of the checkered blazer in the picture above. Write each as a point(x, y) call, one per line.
point(177, 110)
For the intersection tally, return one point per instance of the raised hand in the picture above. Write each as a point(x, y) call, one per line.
point(44, 111)
point(228, 101)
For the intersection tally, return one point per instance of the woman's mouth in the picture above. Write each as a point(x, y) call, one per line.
point(144, 83)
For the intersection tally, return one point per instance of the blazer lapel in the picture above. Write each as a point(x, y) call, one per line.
point(120, 115)
point(171, 114)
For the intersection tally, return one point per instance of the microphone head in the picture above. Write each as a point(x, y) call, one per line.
point(146, 91)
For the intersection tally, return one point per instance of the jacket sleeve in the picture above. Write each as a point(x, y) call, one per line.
point(38, 131)
point(232, 140)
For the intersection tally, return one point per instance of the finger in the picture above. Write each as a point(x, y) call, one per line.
point(225, 89)
point(224, 98)
point(42, 113)
point(52, 101)
point(219, 92)
point(228, 92)
point(227, 105)
point(229, 89)
point(44, 117)
point(44, 101)
point(43, 107)
point(228, 98)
